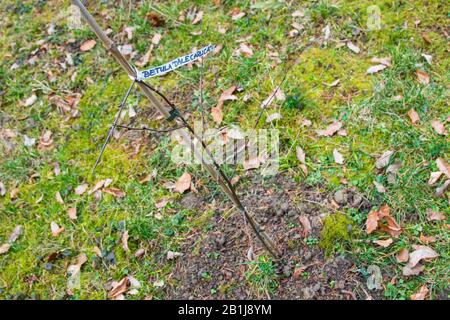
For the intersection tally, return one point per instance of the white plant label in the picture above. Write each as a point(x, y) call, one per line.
point(174, 64)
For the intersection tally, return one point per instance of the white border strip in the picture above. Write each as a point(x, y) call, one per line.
point(174, 64)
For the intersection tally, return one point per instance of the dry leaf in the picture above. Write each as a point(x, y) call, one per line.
point(81, 189)
point(372, 222)
point(428, 58)
point(332, 84)
point(156, 38)
point(58, 198)
point(245, 50)
point(114, 192)
point(427, 239)
point(421, 294)
point(386, 61)
point(435, 215)
point(2, 189)
point(306, 225)
point(439, 127)
point(183, 183)
point(4, 248)
point(443, 166)
point(273, 116)
point(422, 77)
point(72, 213)
point(422, 252)
point(412, 271)
point(384, 159)
point(414, 116)
point(301, 156)
point(119, 288)
point(216, 113)
point(162, 203)
point(56, 230)
point(97, 186)
point(338, 158)
point(402, 256)
point(124, 240)
point(198, 17)
point(353, 47)
point(434, 176)
point(330, 130)
point(384, 243)
point(380, 188)
point(440, 190)
point(375, 69)
point(172, 255)
point(252, 163)
point(88, 45)
point(30, 101)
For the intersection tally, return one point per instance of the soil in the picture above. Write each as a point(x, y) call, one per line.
point(215, 264)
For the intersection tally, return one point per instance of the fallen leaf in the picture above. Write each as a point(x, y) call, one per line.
point(440, 190)
point(422, 77)
point(338, 157)
point(412, 271)
point(330, 130)
point(4, 248)
point(301, 156)
point(377, 68)
point(97, 186)
point(439, 127)
point(156, 38)
point(162, 203)
point(384, 243)
point(88, 45)
point(428, 58)
point(124, 240)
point(114, 192)
point(238, 16)
point(443, 166)
point(332, 84)
point(28, 142)
point(402, 256)
point(183, 183)
point(421, 294)
point(426, 239)
point(372, 222)
point(172, 255)
point(306, 226)
point(72, 213)
point(385, 61)
point(58, 198)
point(155, 19)
point(380, 188)
point(2, 189)
point(273, 116)
point(245, 50)
point(119, 288)
point(139, 253)
point(414, 116)
point(252, 163)
point(30, 101)
point(56, 230)
point(198, 17)
point(81, 189)
point(435, 215)
point(353, 47)
point(216, 113)
point(159, 283)
point(375, 279)
point(434, 176)
point(384, 159)
point(422, 252)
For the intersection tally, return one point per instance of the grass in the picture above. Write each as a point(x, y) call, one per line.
point(374, 119)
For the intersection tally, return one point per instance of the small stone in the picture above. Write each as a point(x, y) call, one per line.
point(287, 270)
point(340, 197)
point(48, 266)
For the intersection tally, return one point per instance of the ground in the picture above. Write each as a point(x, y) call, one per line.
point(64, 96)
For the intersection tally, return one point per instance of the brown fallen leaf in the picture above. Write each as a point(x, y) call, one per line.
point(198, 17)
point(375, 69)
point(162, 203)
point(88, 45)
point(2, 189)
point(4, 248)
point(372, 222)
point(216, 113)
point(119, 288)
point(330, 130)
point(384, 243)
point(384, 159)
point(301, 156)
point(427, 239)
point(306, 226)
point(402, 256)
point(414, 116)
point(114, 192)
point(382, 220)
point(439, 127)
point(46, 141)
point(97, 186)
point(421, 294)
point(441, 189)
point(183, 183)
point(81, 189)
point(338, 157)
point(56, 230)
point(252, 163)
point(412, 271)
point(435, 215)
point(72, 213)
point(155, 19)
point(422, 77)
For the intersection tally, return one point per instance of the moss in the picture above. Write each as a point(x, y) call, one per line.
point(336, 232)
